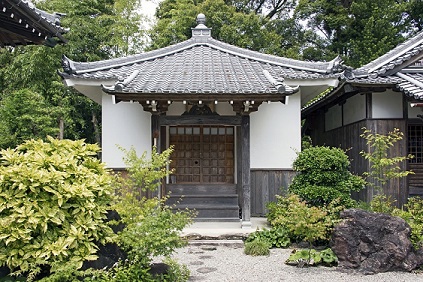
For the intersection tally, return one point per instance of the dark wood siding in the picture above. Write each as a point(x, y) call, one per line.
point(348, 138)
point(265, 185)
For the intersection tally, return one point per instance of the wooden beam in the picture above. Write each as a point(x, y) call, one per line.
point(245, 171)
point(186, 120)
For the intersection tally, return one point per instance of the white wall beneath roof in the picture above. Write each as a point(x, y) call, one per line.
point(354, 109)
point(387, 104)
point(275, 134)
point(414, 111)
point(124, 124)
point(333, 118)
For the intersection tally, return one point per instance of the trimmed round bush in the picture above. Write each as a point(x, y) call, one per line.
point(324, 176)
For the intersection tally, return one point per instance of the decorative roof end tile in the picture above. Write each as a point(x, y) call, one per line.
point(280, 85)
point(201, 30)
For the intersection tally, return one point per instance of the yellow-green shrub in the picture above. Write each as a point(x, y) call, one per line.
point(53, 201)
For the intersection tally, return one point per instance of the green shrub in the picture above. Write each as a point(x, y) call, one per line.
point(382, 204)
point(53, 201)
point(277, 237)
point(413, 215)
point(151, 227)
point(383, 167)
point(302, 221)
point(257, 247)
point(312, 257)
point(324, 176)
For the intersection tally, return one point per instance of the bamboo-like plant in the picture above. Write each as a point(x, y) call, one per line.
point(383, 167)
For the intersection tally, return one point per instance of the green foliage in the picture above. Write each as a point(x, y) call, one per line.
point(324, 176)
point(266, 27)
point(277, 237)
point(151, 227)
point(24, 115)
point(53, 201)
point(257, 247)
point(412, 213)
point(383, 166)
point(98, 29)
point(302, 221)
point(382, 204)
point(312, 257)
point(146, 171)
point(359, 31)
point(176, 273)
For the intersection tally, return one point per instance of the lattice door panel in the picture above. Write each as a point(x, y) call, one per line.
point(203, 154)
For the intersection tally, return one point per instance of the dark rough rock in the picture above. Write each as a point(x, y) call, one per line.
point(374, 242)
point(4, 271)
point(108, 254)
point(157, 269)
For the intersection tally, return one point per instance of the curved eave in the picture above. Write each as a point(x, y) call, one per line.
point(41, 20)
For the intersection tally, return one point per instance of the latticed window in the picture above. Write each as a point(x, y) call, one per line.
point(415, 143)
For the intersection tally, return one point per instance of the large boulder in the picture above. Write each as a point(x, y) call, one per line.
point(374, 242)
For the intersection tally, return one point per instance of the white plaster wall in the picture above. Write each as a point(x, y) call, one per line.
point(275, 134)
point(414, 111)
point(387, 105)
point(224, 109)
point(124, 124)
point(176, 109)
point(333, 117)
point(354, 109)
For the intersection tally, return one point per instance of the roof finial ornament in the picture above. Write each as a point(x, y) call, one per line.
point(201, 19)
point(201, 31)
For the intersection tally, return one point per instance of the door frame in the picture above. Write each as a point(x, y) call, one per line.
point(242, 149)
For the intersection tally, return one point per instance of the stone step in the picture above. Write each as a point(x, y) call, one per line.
point(200, 189)
point(210, 212)
point(229, 199)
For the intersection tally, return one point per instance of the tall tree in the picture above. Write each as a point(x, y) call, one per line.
point(268, 8)
point(234, 22)
point(25, 115)
point(98, 29)
point(360, 30)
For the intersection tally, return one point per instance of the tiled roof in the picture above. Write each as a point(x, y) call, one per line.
point(21, 24)
point(403, 53)
point(201, 65)
point(402, 67)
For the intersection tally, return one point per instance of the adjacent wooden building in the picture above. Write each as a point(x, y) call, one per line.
point(384, 94)
point(233, 116)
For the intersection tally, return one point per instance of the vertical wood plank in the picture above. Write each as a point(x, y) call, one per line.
point(246, 179)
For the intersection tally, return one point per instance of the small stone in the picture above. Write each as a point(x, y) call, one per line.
point(205, 257)
point(209, 248)
point(197, 263)
point(206, 269)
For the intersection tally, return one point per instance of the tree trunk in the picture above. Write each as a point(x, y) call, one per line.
point(96, 128)
point(61, 129)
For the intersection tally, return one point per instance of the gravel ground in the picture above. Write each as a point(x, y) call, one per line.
point(228, 263)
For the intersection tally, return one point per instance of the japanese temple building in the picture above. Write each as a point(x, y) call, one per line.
point(233, 116)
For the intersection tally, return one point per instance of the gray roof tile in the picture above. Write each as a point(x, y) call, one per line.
point(200, 65)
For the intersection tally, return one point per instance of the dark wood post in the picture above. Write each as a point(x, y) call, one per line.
point(155, 141)
point(155, 131)
point(245, 171)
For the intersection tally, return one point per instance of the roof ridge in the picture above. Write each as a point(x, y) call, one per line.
point(320, 67)
point(393, 54)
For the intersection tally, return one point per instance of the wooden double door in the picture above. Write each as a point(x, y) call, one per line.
point(202, 154)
